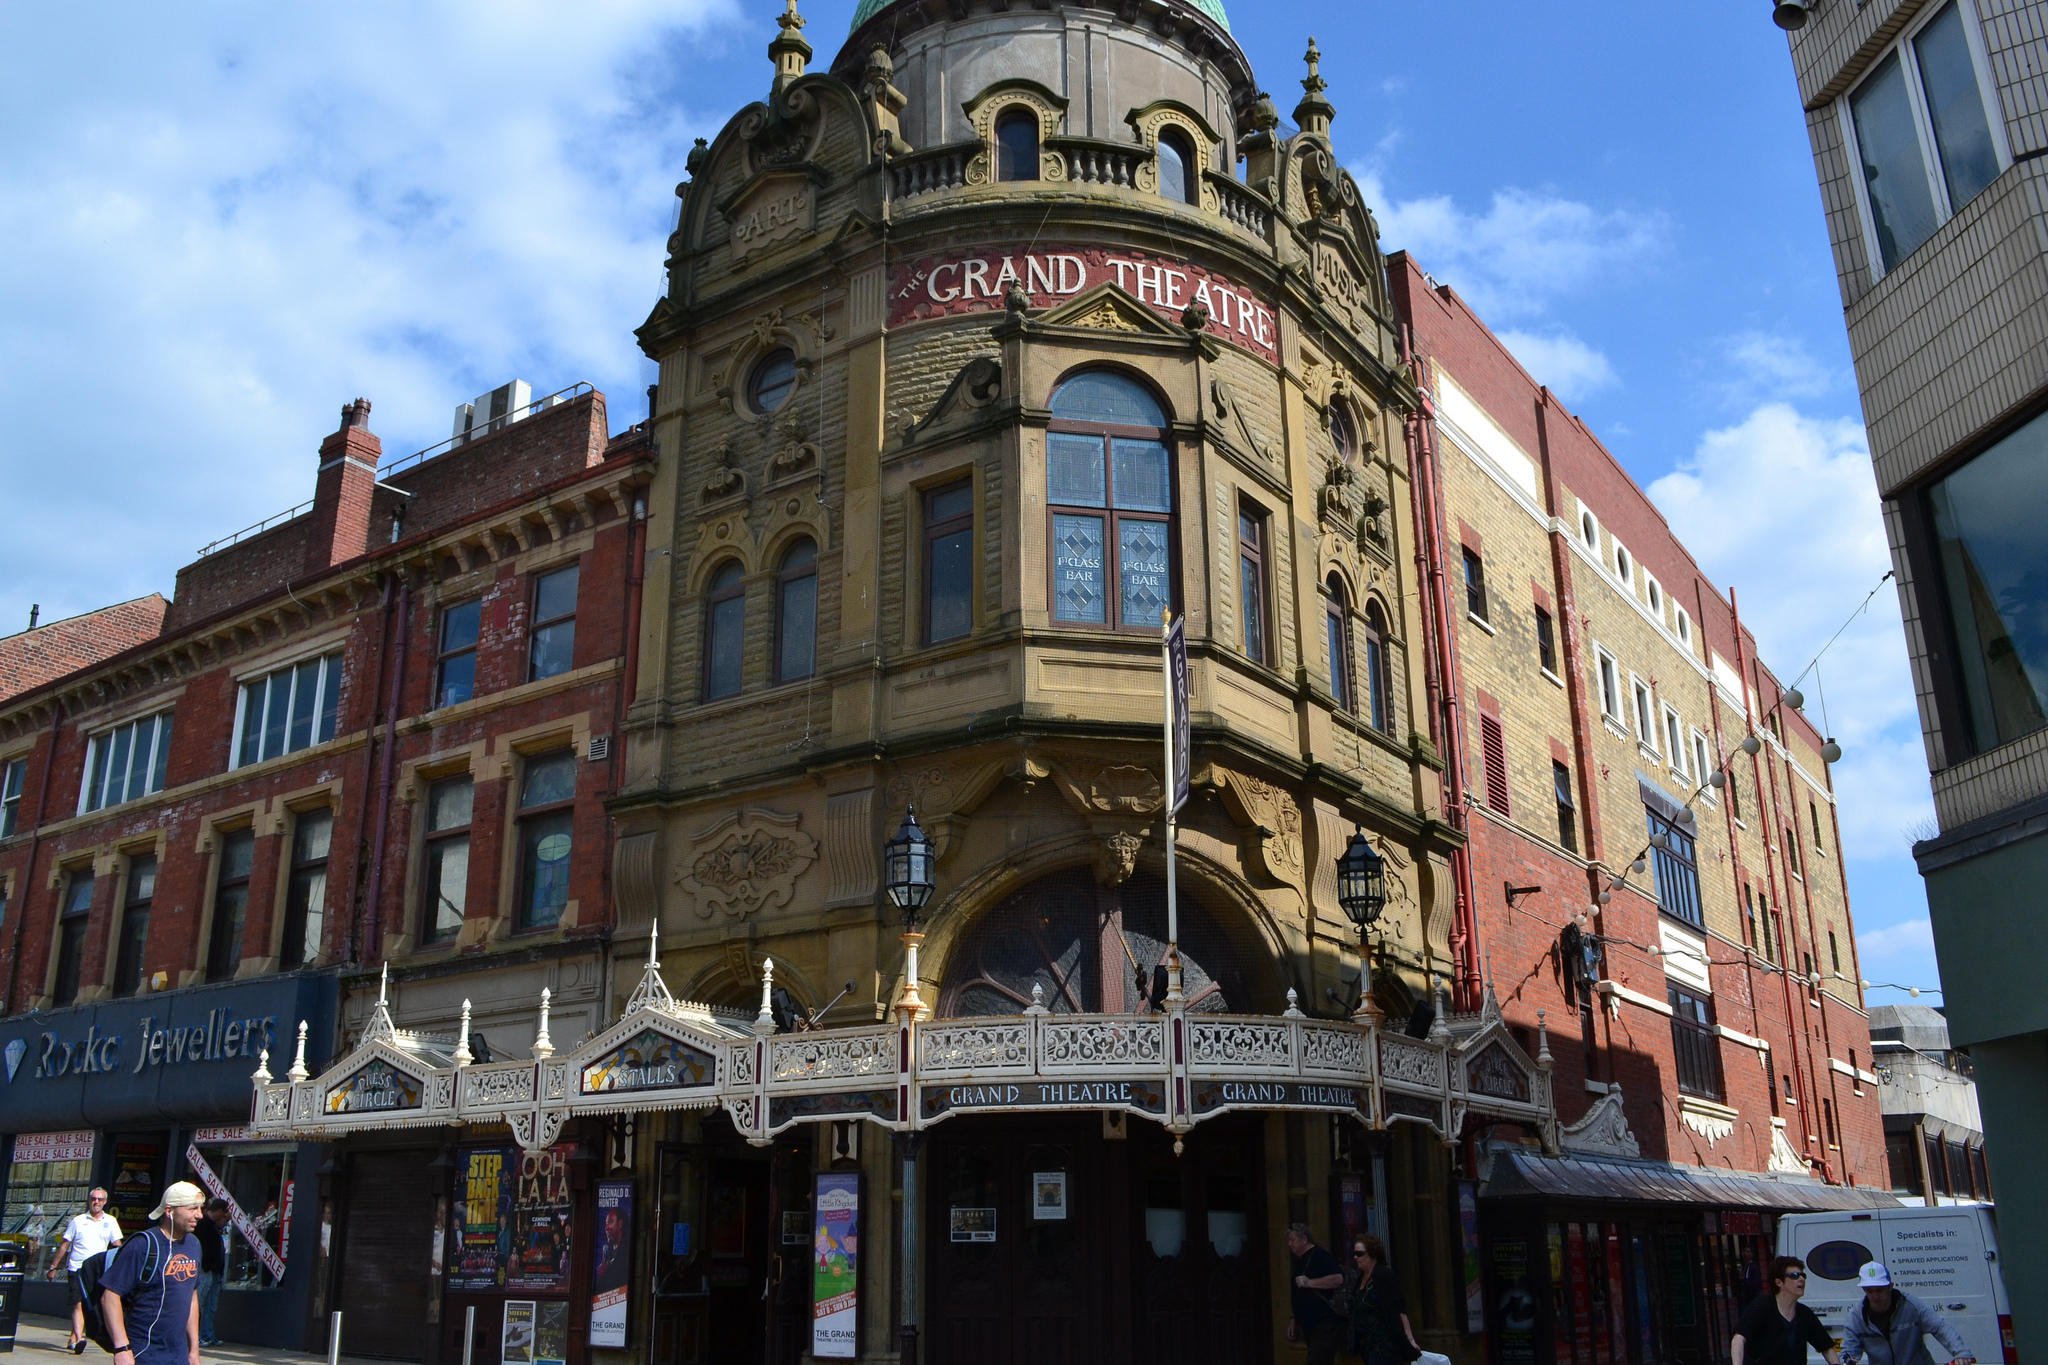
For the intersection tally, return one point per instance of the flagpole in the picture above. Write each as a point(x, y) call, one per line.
point(1173, 981)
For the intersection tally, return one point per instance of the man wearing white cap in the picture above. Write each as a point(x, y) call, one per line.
point(1890, 1326)
point(147, 1294)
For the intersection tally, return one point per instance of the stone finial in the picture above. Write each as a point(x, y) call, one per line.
point(543, 1045)
point(764, 1022)
point(1194, 317)
point(1037, 1005)
point(1293, 1010)
point(1544, 1060)
point(298, 1072)
point(463, 1056)
point(1315, 112)
point(790, 53)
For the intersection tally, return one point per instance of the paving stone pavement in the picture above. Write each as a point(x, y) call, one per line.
point(40, 1341)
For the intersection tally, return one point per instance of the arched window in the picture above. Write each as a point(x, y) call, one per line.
point(1379, 710)
point(796, 612)
point(1177, 166)
point(725, 620)
point(1337, 624)
point(1109, 483)
point(1342, 436)
point(1017, 145)
point(769, 387)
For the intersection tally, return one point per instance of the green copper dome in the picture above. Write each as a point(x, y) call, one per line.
point(870, 8)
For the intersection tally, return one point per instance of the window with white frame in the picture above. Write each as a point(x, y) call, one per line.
point(1646, 726)
point(1610, 684)
point(1702, 760)
point(126, 762)
point(13, 774)
point(288, 710)
point(1684, 624)
point(1624, 567)
point(1655, 591)
point(1589, 530)
point(1674, 730)
point(1921, 133)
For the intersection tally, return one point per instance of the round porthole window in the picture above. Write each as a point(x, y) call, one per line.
point(553, 848)
point(773, 380)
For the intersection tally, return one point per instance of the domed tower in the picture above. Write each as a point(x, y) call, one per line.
point(1018, 330)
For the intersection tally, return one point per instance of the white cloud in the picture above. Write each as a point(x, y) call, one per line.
point(1569, 366)
point(1784, 508)
point(1900, 954)
point(1525, 250)
point(225, 222)
point(1761, 366)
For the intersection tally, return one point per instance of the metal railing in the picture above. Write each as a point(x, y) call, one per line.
point(385, 471)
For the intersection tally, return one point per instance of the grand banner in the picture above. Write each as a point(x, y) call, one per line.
point(960, 282)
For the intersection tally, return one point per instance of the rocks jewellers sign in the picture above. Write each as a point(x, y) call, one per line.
point(180, 1055)
point(976, 281)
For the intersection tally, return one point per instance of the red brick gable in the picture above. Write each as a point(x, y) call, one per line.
point(34, 657)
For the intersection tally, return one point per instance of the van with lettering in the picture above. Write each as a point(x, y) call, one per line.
point(1946, 1257)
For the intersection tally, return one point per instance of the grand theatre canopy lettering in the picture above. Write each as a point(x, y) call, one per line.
point(1172, 1067)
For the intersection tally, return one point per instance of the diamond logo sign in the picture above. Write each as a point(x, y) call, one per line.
point(16, 1050)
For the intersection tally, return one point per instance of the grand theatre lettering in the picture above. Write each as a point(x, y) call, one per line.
point(960, 282)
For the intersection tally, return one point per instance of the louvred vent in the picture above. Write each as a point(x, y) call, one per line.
point(1493, 751)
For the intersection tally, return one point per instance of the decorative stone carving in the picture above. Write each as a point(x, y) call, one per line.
point(1272, 821)
point(1105, 316)
point(1785, 1158)
point(746, 863)
point(1002, 97)
point(778, 207)
point(795, 455)
point(1602, 1130)
point(726, 481)
point(850, 846)
point(1116, 857)
point(1125, 790)
point(1711, 1121)
point(1237, 423)
point(636, 881)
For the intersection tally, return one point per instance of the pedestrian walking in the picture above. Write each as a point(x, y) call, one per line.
point(1380, 1334)
point(86, 1236)
point(1777, 1328)
point(149, 1294)
point(1316, 1279)
point(1891, 1327)
point(213, 1265)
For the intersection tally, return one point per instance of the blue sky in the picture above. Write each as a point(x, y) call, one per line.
point(227, 220)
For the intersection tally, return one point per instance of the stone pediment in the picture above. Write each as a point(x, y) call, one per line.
point(1108, 308)
point(777, 207)
point(963, 405)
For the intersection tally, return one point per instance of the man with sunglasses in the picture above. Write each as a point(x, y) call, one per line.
point(85, 1236)
point(1777, 1328)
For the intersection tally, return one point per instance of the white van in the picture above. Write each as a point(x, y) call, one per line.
point(1946, 1257)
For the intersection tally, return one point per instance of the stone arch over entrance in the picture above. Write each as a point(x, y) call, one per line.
point(1029, 920)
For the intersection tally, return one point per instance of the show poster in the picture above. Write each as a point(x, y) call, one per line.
point(539, 1261)
point(516, 1344)
point(482, 1228)
point(551, 1332)
point(836, 1267)
point(612, 1270)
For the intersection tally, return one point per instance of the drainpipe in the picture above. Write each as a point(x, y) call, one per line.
point(1446, 717)
point(35, 839)
point(373, 925)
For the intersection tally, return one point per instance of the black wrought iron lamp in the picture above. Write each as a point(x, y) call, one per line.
point(1362, 892)
point(909, 875)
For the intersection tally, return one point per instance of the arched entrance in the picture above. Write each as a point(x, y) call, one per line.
point(1081, 1237)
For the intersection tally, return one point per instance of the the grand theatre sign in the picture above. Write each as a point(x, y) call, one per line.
point(1175, 1068)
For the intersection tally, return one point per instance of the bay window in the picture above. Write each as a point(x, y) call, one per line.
point(1109, 488)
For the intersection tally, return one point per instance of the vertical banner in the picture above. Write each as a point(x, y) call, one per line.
point(483, 1218)
point(1468, 1231)
point(1516, 1330)
point(612, 1271)
point(1180, 732)
point(835, 1267)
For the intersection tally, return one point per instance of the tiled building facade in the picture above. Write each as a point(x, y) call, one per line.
point(1927, 127)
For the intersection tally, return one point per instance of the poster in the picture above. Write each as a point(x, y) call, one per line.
point(539, 1259)
point(1516, 1303)
point(132, 1187)
point(835, 1276)
point(973, 1225)
point(1049, 1196)
point(612, 1269)
point(516, 1345)
point(481, 1221)
point(1468, 1232)
point(551, 1333)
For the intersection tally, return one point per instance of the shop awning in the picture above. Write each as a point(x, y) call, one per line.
point(1620, 1180)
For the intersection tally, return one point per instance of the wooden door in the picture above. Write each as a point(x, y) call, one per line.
point(1018, 1278)
point(386, 1272)
point(1199, 1269)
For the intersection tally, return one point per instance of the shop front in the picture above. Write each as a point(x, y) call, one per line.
point(1612, 1260)
point(132, 1094)
point(691, 1185)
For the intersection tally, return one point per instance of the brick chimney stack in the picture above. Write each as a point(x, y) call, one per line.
point(343, 492)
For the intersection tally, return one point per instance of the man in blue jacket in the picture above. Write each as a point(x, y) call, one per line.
point(1890, 1326)
point(147, 1293)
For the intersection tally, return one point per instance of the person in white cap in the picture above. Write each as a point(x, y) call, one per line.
point(148, 1294)
point(1891, 1327)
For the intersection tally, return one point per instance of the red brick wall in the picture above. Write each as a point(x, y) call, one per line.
point(48, 652)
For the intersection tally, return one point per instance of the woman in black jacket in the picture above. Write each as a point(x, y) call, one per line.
point(1380, 1334)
